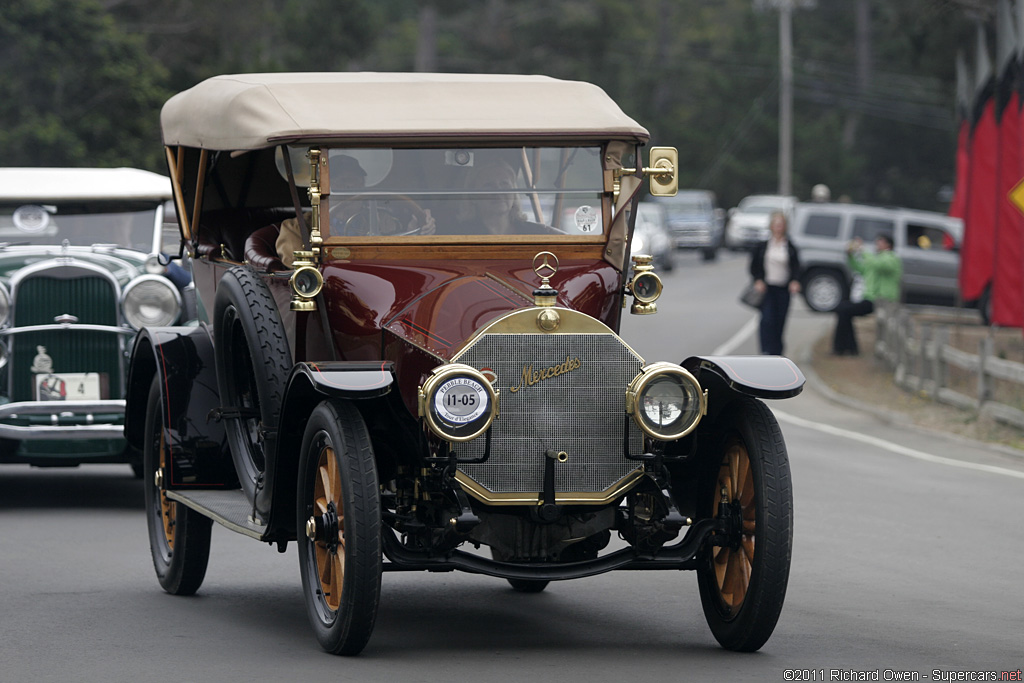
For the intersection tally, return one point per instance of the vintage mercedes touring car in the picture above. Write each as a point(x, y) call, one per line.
point(80, 273)
point(406, 357)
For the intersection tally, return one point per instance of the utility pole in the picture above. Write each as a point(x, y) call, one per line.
point(426, 40)
point(785, 8)
point(786, 98)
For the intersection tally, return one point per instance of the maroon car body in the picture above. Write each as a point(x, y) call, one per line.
point(408, 291)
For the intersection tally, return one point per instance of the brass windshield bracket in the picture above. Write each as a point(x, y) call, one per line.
point(315, 238)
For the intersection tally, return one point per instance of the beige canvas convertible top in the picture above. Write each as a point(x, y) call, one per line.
point(255, 111)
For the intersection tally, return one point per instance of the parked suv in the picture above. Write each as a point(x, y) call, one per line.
point(694, 221)
point(928, 244)
point(80, 274)
point(409, 287)
point(748, 220)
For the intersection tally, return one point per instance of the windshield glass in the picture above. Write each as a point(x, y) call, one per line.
point(542, 191)
point(82, 225)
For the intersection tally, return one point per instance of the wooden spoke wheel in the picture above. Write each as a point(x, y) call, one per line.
point(179, 538)
point(329, 515)
point(168, 508)
point(339, 524)
point(743, 568)
point(734, 563)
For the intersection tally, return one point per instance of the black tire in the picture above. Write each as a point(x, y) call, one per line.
point(338, 492)
point(528, 585)
point(134, 458)
point(668, 260)
point(253, 362)
point(743, 584)
point(179, 538)
point(709, 254)
point(521, 585)
point(824, 289)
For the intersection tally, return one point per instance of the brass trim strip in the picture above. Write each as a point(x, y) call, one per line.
point(524, 321)
point(446, 249)
point(477, 241)
point(484, 495)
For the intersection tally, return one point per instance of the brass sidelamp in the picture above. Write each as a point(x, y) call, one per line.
point(645, 286)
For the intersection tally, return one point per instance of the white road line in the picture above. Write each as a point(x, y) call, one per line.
point(737, 339)
point(894, 448)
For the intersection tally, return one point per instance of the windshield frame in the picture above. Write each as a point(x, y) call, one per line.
point(539, 191)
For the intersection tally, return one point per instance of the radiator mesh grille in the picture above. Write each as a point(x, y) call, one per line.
point(581, 412)
point(38, 300)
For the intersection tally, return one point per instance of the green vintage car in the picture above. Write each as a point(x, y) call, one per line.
point(80, 273)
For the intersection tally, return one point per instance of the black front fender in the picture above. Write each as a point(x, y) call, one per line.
point(728, 377)
point(759, 376)
point(182, 360)
point(308, 384)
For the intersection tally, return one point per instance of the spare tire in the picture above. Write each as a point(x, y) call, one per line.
point(253, 362)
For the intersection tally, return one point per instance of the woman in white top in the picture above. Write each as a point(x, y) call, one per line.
point(775, 267)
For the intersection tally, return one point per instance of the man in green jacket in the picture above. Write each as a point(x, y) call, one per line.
point(882, 272)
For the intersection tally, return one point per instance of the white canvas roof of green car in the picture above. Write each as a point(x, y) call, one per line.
point(40, 185)
point(255, 111)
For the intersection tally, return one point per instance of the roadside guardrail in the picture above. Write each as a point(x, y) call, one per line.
point(926, 349)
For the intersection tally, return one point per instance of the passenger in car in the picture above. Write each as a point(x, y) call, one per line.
point(882, 272)
point(350, 216)
point(498, 213)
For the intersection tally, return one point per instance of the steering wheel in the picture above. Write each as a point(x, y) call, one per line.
point(367, 219)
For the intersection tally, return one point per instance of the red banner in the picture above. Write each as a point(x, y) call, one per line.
point(1007, 283)
point(977, 257)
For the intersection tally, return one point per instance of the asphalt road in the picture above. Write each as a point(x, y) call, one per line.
point(907, 557)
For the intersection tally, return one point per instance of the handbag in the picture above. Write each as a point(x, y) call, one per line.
point(751, 296)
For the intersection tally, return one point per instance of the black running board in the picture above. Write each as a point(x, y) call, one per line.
point(228, 508)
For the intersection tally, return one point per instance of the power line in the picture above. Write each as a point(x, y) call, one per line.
point(740, 133)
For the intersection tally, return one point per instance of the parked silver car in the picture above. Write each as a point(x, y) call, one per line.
point(651, 235)
point(928, 243)
point(695, 221)
point(748, 220)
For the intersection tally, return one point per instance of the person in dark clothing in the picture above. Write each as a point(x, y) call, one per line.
point(882, 272)
point(775, 267)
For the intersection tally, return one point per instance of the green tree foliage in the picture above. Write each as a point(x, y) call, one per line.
point(84, 79)
point(703, 75)
point(895, 139)
point(197, 39)
point(76, 90)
